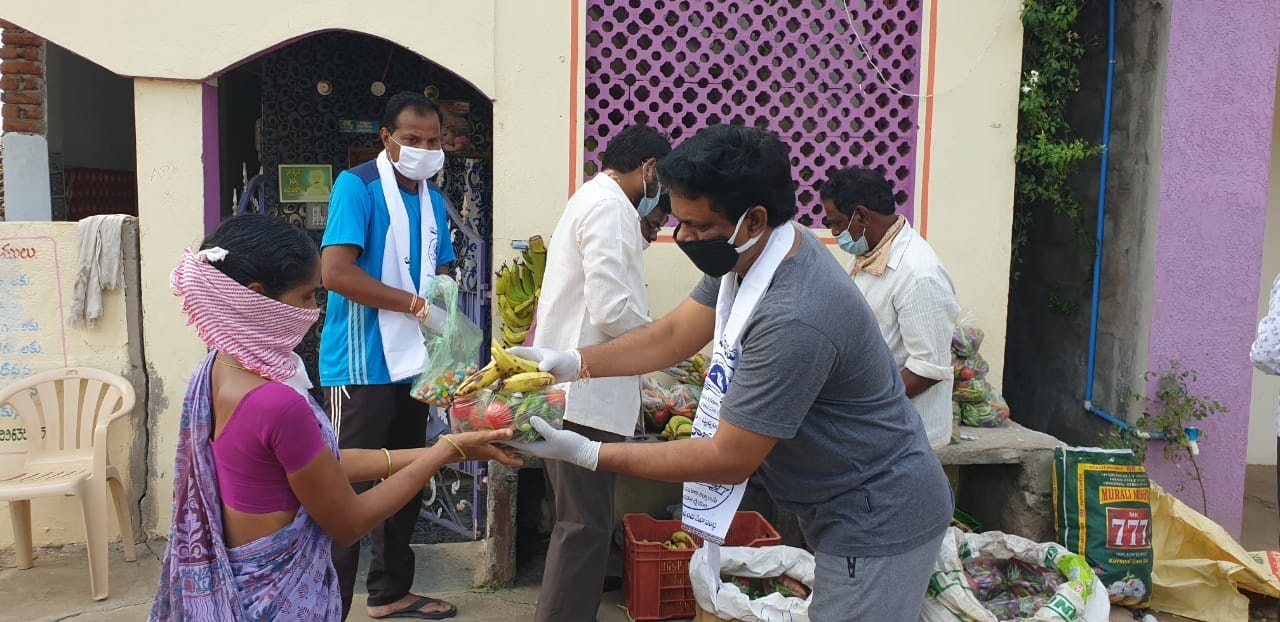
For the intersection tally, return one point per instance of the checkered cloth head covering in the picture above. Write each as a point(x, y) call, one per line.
point(259, 332)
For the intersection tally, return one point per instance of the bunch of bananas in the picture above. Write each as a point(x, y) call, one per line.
point(510, 373)
point(691, 371)
point(517, 286)
point(680, 540)
point(678, 427)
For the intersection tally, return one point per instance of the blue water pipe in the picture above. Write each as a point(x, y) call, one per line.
point(1097, 253)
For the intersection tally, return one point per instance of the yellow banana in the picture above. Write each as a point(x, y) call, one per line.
point(527, 305)
point(482, 378)
point(685, 430)
point(499, 283)
point(508, 363)
point(528, 381)
point(526, 280)
point(523, 365)
point(679, 420)
point(681, 537)
point(538, 261)
point(513, 338)
point(516, 292)
point(515, 321)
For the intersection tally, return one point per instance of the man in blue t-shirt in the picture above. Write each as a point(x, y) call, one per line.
point(387, 236)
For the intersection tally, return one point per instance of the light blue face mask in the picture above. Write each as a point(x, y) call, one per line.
point(647, 203)
point(858, 247)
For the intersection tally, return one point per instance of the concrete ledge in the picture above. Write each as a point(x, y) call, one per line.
point(1004, 478)
point(1009, 444)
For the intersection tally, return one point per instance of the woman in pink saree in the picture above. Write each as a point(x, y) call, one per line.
point(260, 490)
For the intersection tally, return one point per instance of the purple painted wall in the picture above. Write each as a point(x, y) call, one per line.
point(1211, 219)
point(792, 67)
point(211, 158)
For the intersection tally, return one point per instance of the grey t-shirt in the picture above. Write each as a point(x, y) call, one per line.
point(853, 461)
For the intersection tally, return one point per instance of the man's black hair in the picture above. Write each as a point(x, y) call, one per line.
point(265, 250)
point(632, 146)
point(737, 168)
point(417, 102)
point(850, 187)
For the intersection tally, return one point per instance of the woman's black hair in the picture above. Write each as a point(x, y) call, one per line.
point(265, 250)
point(737, 168)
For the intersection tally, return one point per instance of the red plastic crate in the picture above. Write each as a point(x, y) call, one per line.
point(656, 582)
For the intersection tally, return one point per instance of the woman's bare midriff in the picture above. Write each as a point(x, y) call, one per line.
point(240, 528)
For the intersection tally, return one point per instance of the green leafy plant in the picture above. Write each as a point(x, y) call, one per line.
point(1172, 410)
point(1048, 153)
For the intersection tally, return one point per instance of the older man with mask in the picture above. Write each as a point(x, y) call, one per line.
point(905, 283)
point(801, 387)
point(593, 291)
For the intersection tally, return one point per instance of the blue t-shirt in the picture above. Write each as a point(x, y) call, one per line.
point(351, 344)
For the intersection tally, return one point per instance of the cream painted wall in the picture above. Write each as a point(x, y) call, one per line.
point(1262, 407)
point(195, 40)
point(975, 124)
point(169, 121)
point(25, 296)
point(532, 121)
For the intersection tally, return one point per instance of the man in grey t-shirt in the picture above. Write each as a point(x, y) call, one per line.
point(815, 402)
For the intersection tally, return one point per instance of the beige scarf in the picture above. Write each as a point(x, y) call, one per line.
point(877, 261)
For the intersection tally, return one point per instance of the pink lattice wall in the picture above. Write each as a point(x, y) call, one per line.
point(790, 66)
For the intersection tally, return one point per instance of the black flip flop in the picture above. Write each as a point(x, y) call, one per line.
point(412, 612)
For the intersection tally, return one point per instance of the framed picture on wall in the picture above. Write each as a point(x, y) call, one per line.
point(305, 183)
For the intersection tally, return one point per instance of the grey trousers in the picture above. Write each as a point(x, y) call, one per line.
point(883, 589)
point(578, 556)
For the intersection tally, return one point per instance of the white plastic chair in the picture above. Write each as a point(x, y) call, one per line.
point(66, 414)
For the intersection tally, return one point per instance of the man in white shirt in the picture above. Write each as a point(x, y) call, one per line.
point(593, 291)
point(905, 284)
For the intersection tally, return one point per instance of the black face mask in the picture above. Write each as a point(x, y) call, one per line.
point(714, 257)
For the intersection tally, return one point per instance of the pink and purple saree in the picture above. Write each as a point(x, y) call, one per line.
point(287, 575)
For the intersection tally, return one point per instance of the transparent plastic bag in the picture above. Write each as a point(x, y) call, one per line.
point(967, 337)
point(989, 414)
point(975, 391)
point(661, 404)
point(970, 368)
point(453, 351)
point(489, 410)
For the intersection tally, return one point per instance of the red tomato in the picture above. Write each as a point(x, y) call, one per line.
point(464, 410)
point(555, 399)
point(967, 373)
point(498, 415)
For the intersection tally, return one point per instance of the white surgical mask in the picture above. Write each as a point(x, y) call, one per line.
point(418, 164)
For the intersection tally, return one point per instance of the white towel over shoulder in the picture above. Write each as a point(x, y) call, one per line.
point(402, 342)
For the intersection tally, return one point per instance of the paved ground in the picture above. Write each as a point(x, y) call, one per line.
point(57, 587)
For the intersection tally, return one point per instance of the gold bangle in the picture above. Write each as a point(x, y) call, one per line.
point(388, 454)
point(413, 302)
point(462, 455)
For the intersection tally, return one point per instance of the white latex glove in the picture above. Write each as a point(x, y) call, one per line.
point(565, 365)
point(563, 445)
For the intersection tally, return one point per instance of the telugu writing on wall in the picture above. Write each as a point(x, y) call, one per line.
point(32, 329)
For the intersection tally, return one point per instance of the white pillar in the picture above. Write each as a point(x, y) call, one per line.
point(170, 141)
point(26, 177)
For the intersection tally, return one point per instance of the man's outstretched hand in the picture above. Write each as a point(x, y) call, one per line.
point(563, 445)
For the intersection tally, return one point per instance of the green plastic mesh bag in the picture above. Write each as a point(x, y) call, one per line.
point(453, 346)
